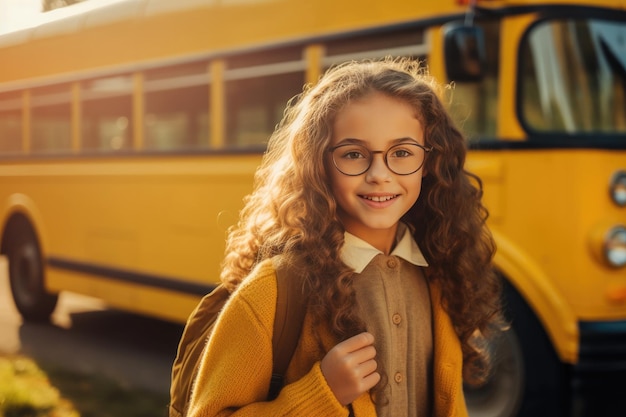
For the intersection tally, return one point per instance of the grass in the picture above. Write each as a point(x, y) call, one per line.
point(26, 390)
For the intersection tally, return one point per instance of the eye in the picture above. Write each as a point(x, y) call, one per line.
point(353, 153)
point(401, 152)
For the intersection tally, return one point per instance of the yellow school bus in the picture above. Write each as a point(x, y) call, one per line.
point(130, 132)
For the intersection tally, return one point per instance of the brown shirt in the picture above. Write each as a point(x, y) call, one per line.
point(394, 301)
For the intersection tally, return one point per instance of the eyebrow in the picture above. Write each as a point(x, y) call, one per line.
point(355, 141)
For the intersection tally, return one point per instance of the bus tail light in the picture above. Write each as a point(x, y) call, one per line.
point(607, 243)
point(618, 188)
point(615, 246)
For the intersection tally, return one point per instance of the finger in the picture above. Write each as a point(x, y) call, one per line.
point(363, 355)
point(367, 338)
point(367, 368)
point(370, 380)
point(356, 342)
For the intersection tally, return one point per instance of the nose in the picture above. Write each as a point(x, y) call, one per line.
point(378, 170)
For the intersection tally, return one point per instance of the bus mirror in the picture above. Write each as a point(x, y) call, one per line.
point(464, 52)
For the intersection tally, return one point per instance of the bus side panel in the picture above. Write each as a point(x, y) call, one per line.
point(131, 230)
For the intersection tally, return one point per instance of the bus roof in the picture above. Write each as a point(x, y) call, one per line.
point(99, 34)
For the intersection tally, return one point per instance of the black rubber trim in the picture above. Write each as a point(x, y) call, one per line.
point(602, 347)
point(115, 274)
point(553, 141)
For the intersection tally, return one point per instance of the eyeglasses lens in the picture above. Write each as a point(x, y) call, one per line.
point(401, 159)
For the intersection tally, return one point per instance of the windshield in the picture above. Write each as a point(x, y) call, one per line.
point(573, 77)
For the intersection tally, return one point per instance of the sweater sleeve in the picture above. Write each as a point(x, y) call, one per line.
point(235, 370)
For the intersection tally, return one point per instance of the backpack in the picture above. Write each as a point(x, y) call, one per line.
point(290, 312)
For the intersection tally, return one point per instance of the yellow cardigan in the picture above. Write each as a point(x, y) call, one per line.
point(236, 367)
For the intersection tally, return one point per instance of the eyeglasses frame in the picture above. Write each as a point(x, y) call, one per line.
point(427, 150)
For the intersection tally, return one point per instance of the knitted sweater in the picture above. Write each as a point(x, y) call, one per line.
point(236, 367)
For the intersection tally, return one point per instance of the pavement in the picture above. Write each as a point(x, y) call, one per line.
point(87, 337)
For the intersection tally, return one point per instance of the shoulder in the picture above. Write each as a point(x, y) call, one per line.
point(262, 275)
point(258, 290)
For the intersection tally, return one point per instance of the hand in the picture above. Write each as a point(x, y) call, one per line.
point(350, 368)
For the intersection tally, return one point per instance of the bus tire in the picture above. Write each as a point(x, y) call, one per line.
point(528, 379)
point(26, 274)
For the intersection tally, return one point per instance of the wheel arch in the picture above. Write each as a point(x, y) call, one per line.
point(21, 212)
point(543, 298)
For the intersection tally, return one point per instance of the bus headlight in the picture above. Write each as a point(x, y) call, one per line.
point(618, 188)
point(615, 246)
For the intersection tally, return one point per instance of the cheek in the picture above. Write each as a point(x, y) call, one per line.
point(415, 189)
point(338, 188)
point(343, 188)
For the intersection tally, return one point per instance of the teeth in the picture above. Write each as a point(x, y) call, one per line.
point(379, 198)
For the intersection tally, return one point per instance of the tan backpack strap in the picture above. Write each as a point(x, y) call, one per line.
point(291, 303)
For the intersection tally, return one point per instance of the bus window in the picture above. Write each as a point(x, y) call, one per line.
point(177, 107)
point(107, 114)
point(51, 119)
point(10, 122)
point(571, 79)
point(256, 95)
point(474, 105)
point(408, 42)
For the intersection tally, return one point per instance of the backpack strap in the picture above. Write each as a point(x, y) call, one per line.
point(291, 303)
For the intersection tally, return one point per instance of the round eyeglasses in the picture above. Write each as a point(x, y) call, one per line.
point(401, 159)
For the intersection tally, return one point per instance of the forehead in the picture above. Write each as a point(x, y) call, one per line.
point(376, 119)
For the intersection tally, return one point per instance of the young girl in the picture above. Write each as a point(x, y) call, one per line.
point(363, 189)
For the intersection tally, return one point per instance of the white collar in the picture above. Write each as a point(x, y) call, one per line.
point(357, 253)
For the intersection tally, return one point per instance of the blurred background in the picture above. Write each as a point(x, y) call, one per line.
point(130, 131)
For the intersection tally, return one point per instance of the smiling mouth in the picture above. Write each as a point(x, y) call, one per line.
point(379, 199)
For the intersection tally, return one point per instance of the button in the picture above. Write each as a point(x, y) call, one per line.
point(398, 377)
point(396, 319)
point(392, 263)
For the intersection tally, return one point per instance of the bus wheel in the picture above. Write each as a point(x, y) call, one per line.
point(528, 379)
point(501, 395)
point(27, 277)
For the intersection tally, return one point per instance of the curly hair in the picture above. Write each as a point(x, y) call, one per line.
point(293, 212)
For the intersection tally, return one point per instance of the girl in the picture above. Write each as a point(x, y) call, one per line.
point(363, 188)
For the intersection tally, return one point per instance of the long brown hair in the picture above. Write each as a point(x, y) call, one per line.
point(293, 212)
